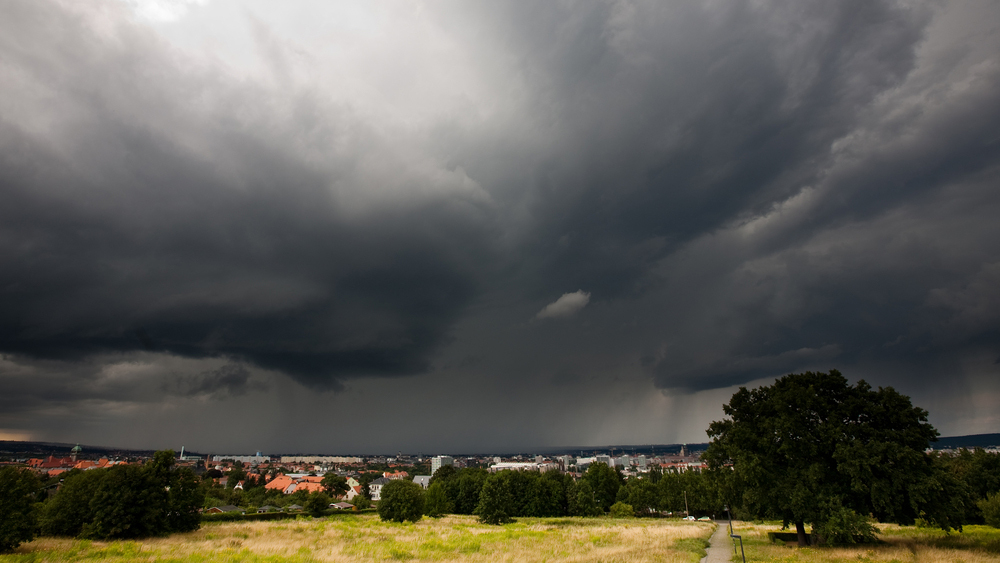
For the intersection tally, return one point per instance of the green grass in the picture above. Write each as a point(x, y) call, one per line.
point(366, 538)
point(898, 544)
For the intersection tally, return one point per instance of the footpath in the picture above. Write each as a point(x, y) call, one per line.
point(721, 548)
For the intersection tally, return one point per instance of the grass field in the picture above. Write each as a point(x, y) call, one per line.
point(976, 544)
point(360, 538)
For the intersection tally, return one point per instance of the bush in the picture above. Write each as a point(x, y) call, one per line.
point(401, 501)
point(238, 517)
point(845, 527)
point(622, 510)
point(17, 518)
point(361, 502)
point(990, 507)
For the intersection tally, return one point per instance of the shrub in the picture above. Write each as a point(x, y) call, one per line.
point(990, 507)
point(845, 527)
point(17, 518)
point(401, 501)
point(361, 502)
point(622, 510)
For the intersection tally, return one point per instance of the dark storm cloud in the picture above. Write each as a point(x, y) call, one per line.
point(158, 207)
point(739, 190)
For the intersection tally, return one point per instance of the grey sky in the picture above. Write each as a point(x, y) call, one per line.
point(374, 226)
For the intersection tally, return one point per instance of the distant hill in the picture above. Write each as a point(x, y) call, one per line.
point(970, 441)
point(12, 448)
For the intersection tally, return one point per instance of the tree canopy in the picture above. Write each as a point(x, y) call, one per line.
point(401, 500)
point(811, 446)
point(18, 488)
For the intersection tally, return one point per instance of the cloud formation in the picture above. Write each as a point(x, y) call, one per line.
point(566, 305)
point(348, 205)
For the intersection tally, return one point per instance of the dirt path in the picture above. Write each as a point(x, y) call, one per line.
point(721, 548)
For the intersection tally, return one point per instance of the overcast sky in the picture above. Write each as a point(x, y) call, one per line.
point(451, 226)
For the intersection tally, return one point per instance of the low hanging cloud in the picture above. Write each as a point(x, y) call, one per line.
point(565, 306)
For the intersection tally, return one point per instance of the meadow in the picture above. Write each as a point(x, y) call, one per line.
point(361, 538)
point(899, 544)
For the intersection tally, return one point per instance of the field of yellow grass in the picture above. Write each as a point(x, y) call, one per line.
point(361, 538)
point(976, 544)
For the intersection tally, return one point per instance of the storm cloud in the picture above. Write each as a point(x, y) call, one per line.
point(364, 203)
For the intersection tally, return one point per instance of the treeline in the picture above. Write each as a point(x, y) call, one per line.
point(502, 496)
point(119, 502)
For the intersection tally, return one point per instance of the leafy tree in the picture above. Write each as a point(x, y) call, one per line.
point(335, 485)
point(811, 443)
point(317, 503)
point(128, 503)
point(184, 499)
point(402, 500)
point(436, 503)
point(18, 488)
point(547, 496)
point(66, 512)
point(845, 527)
point(496, 500)
point(979, 473)
point(641, 494)
point(990, 508)
point(444, 473)
point(586, 500)
point(605, 483)
point(465, 489)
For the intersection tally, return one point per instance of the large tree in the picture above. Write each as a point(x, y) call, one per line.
point(18, 489)
point(335, 485)
point(401, 500)
point(811, 446)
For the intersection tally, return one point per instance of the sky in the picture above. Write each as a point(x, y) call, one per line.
point(445, 227)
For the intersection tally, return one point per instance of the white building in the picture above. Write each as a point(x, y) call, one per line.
point(522, 466)
point(251, 459)
point(440, 461)
point(375, 487)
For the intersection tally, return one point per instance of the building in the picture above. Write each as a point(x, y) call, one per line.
point(375, 487)
point(440, 461)
point(250, 459)
point(522, 466)
point(422, 480)
point(320, 459)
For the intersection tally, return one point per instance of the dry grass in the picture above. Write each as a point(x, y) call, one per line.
point(900, 544)
point(366, 538)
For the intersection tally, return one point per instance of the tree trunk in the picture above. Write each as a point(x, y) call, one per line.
point(800, 529)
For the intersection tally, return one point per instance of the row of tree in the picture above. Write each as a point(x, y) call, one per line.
point(500, 497)
point(123, 501)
